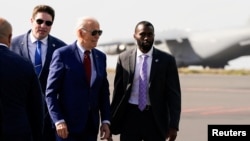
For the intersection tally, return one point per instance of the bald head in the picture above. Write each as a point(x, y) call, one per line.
point(5, 31)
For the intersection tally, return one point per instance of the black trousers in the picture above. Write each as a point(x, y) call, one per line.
point(49, 130)
point(16, 137)
point(140, 125)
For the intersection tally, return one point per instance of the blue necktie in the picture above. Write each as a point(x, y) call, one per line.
point(143, 84)
point(38, 59)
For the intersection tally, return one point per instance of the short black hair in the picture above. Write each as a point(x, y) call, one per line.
point(145, 23)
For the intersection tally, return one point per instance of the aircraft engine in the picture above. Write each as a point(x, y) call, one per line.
point(121, 47)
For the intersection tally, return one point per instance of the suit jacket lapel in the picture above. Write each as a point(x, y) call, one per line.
point(154, 64)
point(24, 46)
point(50, 50)
point(76, 54)
point(96, 64)
point(132, 61)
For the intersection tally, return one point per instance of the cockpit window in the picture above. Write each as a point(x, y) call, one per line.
point(157, 42)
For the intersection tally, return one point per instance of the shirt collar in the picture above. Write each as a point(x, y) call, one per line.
point(33, 39)
point(149, 53)
point(3, 44)
point(81, 48)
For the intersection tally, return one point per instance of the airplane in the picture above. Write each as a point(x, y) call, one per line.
point(209, 49)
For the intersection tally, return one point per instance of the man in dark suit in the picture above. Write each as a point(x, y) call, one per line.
point(77, 100)
point(157, 118)
point(25, 45)
point(21, 99)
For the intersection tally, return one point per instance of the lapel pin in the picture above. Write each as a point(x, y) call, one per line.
point(156, 60)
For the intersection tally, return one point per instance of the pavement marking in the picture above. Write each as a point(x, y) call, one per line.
point(218, 90)
point(216, 110)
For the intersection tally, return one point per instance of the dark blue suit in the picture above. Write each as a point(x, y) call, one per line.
point(22, 103)
point(19, 45)
point(68, 94)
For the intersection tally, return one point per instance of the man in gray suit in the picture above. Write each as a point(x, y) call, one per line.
point(157, 118)
point(25, 45)
point(21, 99)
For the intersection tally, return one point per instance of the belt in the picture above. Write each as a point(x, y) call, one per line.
point(148, 107)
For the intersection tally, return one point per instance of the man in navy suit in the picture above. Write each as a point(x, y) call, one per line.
point(25, 45)
point(75, 103)
point(158, 119)
point(21, 99)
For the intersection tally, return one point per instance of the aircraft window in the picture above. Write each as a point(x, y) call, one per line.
point(157, 42)
point(130, 44)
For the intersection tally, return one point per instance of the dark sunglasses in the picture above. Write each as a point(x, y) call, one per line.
point(40, 21)
point(94, 32)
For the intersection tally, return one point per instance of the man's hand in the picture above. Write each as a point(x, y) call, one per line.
point(62, 130)
point(105, 132)
point(171, 135)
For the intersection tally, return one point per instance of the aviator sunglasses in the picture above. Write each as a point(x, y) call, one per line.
point(94, 32)
point(40, 21)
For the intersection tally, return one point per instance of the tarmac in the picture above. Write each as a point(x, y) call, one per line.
point(209, 99)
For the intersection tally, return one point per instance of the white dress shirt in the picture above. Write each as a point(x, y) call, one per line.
point(135, 88)
point(32, 48)
point(93, 69)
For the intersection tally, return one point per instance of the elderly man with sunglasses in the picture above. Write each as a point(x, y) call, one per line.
point(77, 93)
point(40, 54)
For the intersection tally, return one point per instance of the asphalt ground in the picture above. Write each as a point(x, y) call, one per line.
point(209, 99)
